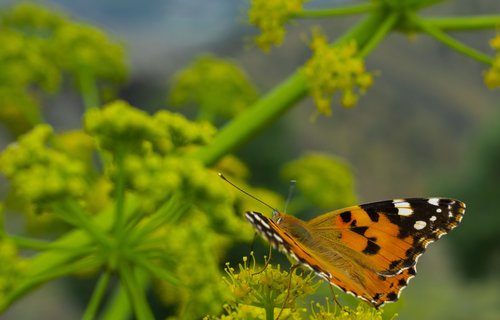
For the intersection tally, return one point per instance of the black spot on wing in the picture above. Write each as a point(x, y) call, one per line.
point(359, 230)
point(374, 216)
point(392, 296)
point(346, 216)
point(371, 248)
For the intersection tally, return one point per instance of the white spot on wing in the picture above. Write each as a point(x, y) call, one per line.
point(434, 201)
point(278, 238)
point(419, 224)
point(404, 208)
point(433, 218)
point(438, 210)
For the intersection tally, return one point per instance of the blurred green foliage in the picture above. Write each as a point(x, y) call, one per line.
point(132, 194)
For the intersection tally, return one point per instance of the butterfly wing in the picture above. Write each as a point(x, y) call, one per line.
point(367, 250)
point(382, 242)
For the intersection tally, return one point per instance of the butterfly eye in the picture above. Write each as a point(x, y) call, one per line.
point(276, 216)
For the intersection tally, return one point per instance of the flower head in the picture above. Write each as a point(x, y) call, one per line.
point(326, 181)
point(216, 86)
point(335, 69)
point(270, 16)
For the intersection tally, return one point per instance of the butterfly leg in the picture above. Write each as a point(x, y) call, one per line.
point(334, 296)
point(292, 270)
point(268, 259)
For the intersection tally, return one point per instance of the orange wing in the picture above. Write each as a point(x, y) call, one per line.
point(367, 250)
point(388, 236)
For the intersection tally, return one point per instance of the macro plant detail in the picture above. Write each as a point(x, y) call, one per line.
point(132, 200)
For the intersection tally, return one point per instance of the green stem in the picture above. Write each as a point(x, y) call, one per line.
point(71, 245)
point(449, 41)
point(464, 23)
point(28, 243)
point(153, 270)
point(275, 103)
point(135, 292)
point(85, 223)
point(97, 296)
point(166, 214)
point(35, 280)
point(332, 12)
point(88, 89)
point(379, 35)
point(118, 307)
point(269, 312)
point(120, 193)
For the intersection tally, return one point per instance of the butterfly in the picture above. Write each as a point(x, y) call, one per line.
point(368, 250)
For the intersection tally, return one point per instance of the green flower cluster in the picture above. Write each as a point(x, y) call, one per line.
point(270, 16)
point(257, 293)
point(217, 87)
point(41, 174)
point(39, 47)
point(118, 127)
point(492, 76)
point(12, 267)
point(325, 181)
point(362, 312)
point(335, 69)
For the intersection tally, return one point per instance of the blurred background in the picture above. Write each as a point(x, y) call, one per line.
point(428, 127)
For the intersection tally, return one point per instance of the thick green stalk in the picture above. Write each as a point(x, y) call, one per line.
point(97, 296)
point(275, 103)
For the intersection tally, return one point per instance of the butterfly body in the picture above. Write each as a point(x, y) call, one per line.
point(368, 250)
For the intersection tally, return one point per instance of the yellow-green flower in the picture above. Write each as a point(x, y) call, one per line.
point(335, 69)
point(217, 87)
point(325, 181)
point(12, 267)
point(492, 76)
point(40, 173)
point(254, 288)
point(270, 16)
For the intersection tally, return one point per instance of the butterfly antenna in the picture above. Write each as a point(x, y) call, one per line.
point(248, 194)
point(291, 188)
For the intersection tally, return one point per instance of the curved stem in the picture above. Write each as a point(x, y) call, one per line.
point(97, 296)
point(332, 12)
point(464, 23)
point(450, 42)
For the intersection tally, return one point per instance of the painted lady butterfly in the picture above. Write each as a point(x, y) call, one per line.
point(368, 250)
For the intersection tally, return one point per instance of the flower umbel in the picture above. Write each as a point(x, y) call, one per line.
point(217, 87)
point(335, 69)
point(254, 288)
point(270, 16)
point(325, 181)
